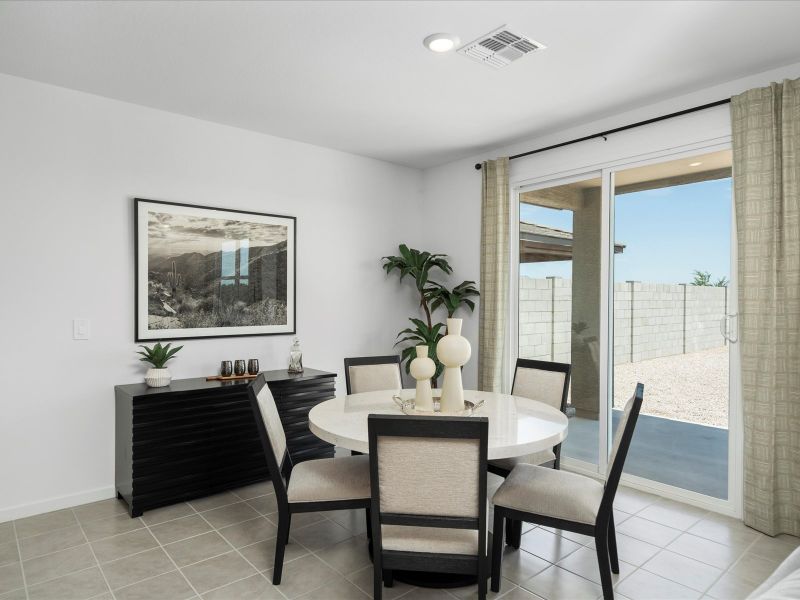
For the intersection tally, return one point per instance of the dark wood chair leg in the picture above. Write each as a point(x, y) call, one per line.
point(482, 575)
point(497, 549)
point(369, 524)
point(280, 546)
point(601, 543)
point(377, 576)
point(612, 546)
point(513, 533)
point(388, 578)
point(288, 526)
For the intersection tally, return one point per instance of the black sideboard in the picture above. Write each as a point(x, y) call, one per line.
point(197, 437)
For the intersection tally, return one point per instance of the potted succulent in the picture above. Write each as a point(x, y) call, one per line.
point(157, 356)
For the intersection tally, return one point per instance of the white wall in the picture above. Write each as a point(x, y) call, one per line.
point(452, 192)
point(70, 164)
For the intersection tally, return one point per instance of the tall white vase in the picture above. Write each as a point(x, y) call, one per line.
point(453, 352)
point(422, 369)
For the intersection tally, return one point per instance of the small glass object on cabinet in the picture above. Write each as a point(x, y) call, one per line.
point(295, 357)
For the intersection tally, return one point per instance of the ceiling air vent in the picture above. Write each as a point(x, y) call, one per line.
point(499, 48)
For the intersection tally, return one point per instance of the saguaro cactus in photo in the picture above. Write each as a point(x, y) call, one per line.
point(174, 278)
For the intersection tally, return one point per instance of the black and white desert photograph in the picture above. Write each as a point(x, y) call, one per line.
point(213, 275)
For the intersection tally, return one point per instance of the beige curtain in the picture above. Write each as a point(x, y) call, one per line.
point(766, 176)
point(494, 274)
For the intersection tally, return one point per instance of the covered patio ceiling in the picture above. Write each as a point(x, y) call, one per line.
point(538, 243)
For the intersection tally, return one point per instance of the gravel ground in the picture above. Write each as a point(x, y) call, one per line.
point(687, 387)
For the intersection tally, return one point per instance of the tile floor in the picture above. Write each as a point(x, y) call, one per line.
point(221, 548)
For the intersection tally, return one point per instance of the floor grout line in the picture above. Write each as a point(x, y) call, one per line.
point(97, 562)
point(739, 551)
point(243, 557)
point(164, 550)
point(21, 566)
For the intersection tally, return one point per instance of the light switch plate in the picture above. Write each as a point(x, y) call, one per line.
point(81, 328)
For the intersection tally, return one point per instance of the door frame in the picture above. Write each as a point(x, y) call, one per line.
point(523, 182)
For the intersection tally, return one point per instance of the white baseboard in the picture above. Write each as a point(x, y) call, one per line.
point(27, 510)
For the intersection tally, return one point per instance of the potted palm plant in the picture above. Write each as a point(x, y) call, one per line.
point(157, 356)
point(419, 265)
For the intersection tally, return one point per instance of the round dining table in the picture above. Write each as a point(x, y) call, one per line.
point(517, 426)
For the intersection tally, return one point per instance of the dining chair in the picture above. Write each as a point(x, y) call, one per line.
point(546, 382)
point(569, 501)
point(372, 373)
point(310, 486)
point(428, 477)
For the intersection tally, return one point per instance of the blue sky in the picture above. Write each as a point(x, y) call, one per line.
point(668, 233)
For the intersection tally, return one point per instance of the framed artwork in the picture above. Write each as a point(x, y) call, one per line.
point(211, 272)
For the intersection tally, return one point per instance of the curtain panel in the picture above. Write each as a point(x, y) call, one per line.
point(495, 229)
point(766, 182)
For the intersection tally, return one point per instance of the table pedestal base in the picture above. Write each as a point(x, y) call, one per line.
point(427, 579)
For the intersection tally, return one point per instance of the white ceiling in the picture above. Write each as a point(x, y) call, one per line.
point(355, 76)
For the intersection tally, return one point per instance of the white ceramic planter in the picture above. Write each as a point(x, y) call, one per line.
point(422, 369)
point(453, 352)
point(157, 377)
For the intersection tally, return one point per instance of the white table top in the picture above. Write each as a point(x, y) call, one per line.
point(517, 426)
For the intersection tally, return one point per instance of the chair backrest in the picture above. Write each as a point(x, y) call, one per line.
point(544, 381)
point(429, 471)
point(372, 373)
point(271, 433)
point(622, 442)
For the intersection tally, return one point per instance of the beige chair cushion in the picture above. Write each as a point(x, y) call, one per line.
point(432, 476)
point(787, 588)
point(429, 539)
point(556, 494)
point(541, 385)
point(371, 378)
point(537, 458)
point(272, 422)
point(623, 422)
point(345, 478)
point(783, 583)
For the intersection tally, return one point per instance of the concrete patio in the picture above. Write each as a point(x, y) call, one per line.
point(687, 455)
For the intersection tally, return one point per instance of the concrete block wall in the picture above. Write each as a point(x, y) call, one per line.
point(666, 319)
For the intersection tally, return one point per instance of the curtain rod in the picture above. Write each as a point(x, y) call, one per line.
point(603, 134)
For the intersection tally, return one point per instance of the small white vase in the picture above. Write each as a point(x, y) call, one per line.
point(422, 369)
point(157, 377)
point(453, 352)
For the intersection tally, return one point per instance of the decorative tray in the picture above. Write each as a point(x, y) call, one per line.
point(407, 406)
point(230, 378)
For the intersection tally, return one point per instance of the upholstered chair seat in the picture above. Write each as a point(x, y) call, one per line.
point(551, 493)
point(330, 479)
point(546, 382)
point(310, 486)
point(568, 501)
point(428, 478)
point(403, 538)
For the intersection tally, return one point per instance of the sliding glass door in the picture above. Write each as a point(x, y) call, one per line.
point(626, 274)
point(559, 296)
point(671, 295)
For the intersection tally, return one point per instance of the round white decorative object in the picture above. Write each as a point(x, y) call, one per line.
point(453, 351)
point(422, 369)
point(517, 426)
point(157, 377)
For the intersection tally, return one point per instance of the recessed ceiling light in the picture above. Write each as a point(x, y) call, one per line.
point(441, 42)
point(695, 164)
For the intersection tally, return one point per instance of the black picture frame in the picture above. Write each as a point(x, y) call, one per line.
point(142, 330)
